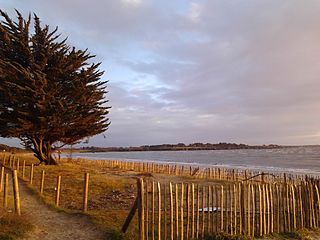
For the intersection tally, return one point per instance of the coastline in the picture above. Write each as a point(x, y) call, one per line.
point(273, 161)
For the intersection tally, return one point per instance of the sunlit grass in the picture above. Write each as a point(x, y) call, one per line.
point(111, 193)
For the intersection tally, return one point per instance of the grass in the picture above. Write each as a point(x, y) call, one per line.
point(13, 226)
point(304, 234)
point(222, 236)
point(112, 192)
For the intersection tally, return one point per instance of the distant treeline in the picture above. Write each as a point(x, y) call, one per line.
point(179, 147)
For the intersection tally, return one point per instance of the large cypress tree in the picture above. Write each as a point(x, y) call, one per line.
point(50, 93)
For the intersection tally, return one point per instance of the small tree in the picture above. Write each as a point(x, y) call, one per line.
point(50, 95)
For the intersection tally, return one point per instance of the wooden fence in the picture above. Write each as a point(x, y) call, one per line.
point(11, 162)
point(214, 173)
point(189, 211)
point(244, 203)
point(4, 189)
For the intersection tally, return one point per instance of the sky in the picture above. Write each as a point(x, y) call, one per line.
point(243, 71)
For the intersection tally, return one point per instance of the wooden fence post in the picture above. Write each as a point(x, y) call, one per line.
point(159, 212)
point(5, 190)
point(307, 204)
point(177, 209)
point(264, 209)
point(202, 213)
point(2, 179)
point(248, 210)
point(165, 209)
point(58, 191)
point(192, 211)
point(268, 207)
point(235, 208)
point(301, 207)
point(288, 206)
point(278, 208)
point(152, 210)
point(208, 207)
point(217, 207)
point(188, 209)
point(18, 165)
point(85, 192)
point(243, 207)
point(31, 174)
point(141, 208)
point(318, 199)
point(197, 214)
point(171, 212)
point(130, 216)
point(147, 209)
point(260, 211)
point(16, 192)
point(284, 206)
point(312, 205)
point(42, 182)
point(241, 217)
point(294, 207)
point(272, 204)
point(226, 207)
point(212, 207)
point(10, 162)
point(182, 211)
point(221, 209)
point(253, 209)
point(23, 168)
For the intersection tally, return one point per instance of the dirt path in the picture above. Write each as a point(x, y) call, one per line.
point(50, 224)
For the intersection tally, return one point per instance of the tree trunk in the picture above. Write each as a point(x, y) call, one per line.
point(43, 151)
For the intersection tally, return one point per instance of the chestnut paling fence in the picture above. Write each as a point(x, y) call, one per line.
point(192, 211)
point(214, 173)
point(243, 203)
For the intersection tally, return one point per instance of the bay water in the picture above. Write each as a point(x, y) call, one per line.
point(295, 160)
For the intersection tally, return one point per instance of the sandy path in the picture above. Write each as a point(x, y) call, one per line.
point(50, 224)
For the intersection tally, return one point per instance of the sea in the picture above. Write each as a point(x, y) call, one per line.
point(294, 160)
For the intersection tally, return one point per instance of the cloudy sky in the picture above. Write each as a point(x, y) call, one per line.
point(199, 71)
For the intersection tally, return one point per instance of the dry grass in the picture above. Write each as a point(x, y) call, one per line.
point(112, 192)
point(13, 226)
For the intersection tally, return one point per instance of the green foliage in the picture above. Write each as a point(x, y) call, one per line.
point(50, 95)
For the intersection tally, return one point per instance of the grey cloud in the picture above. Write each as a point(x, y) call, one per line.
point(244, 71)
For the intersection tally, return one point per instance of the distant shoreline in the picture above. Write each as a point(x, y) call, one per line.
point(252, 168)
point(298, 159)
point(177, 147)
